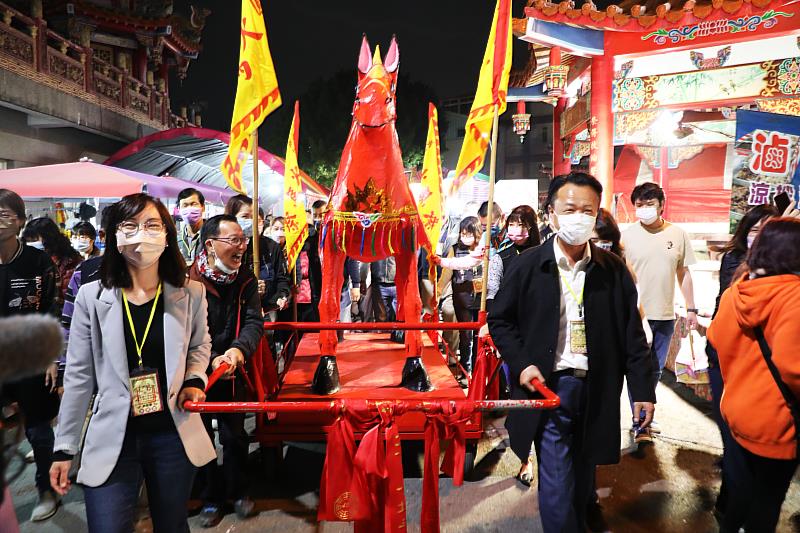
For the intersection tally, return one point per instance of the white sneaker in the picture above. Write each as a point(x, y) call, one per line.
point(654, 427)
point(46, 506)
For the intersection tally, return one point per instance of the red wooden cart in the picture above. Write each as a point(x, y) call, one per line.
point(370, 400)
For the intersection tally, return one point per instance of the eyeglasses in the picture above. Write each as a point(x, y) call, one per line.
point(153, 228)
point(233, 241)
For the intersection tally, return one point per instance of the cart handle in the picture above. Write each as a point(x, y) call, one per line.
point(372, 326)
point(550, 401)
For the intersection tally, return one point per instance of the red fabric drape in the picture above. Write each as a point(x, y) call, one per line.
point(364, 484)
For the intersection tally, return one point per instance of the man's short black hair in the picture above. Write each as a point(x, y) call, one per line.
point(647, 191)
point(11, 200)
point(319, 204)
point(483, 210)
point(190, 191)
point(211, 226)
point(576, 178)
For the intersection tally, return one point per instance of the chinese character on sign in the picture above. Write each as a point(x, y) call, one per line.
point(759, 193)
point(770, 153)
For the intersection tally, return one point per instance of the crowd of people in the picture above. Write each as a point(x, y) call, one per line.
point(153, 302)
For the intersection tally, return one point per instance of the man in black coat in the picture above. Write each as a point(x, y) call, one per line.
point(566, 314)
point(236, 325)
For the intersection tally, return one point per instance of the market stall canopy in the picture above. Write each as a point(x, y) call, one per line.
point(195, 154)
point(92, 180)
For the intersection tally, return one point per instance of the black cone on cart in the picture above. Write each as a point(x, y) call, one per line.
point(326, 376)
point(415, 377)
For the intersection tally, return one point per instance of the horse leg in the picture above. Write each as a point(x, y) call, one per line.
point(332, 275)
point(409, 305)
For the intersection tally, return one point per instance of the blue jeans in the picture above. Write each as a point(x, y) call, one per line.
point(566, 479)
point(161, 460)
point(389, 298)
point(662, 336)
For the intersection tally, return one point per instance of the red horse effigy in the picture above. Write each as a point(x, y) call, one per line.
point(372, 214)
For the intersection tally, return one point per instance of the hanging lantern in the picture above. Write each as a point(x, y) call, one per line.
point(522, 121)
point(555, 75)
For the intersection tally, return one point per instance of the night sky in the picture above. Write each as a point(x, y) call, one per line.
point(441, 44)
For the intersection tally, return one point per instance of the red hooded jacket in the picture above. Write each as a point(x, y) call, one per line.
point(752, 404)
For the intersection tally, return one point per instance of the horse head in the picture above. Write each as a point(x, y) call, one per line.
point(375, 94)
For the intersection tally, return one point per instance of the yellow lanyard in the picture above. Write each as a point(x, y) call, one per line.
point(579, 300)
point(139, 347)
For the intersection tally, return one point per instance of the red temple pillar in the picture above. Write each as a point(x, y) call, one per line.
point(601, 127)
point(561, 164)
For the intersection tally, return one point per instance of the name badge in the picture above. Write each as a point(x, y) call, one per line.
point(577, 337)
point(477, 285)
point(145, 393)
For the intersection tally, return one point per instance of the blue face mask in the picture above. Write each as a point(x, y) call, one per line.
point(246, 225)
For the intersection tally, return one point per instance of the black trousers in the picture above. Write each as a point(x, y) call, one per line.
point(756, 489)
point(39, 407)
point(463, 304)
point(228, 481)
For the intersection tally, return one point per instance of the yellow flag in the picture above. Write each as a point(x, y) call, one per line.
point(257, 93)
point(430, 202)
point(294, 213)
point(490, 95)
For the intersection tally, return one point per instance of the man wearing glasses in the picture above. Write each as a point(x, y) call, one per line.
point(236, 326)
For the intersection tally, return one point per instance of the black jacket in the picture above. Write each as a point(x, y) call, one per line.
point(524, 325)
point(29, 284)
point(383, 271)
point(223, 302)
point(311, 247)
point(273, 270)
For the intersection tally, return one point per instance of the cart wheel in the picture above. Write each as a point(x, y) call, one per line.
point(469, 457)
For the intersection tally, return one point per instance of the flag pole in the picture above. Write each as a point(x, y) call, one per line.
point(490, 211)
point(256, 233)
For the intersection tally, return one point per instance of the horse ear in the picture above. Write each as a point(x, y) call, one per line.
point(364, 57)
point(392, 60)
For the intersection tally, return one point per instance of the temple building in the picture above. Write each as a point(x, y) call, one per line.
point(650, 91)
point(83, 78)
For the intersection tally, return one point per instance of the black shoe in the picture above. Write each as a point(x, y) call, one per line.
point(210, 516)
point(595, 520)
point(245, 508)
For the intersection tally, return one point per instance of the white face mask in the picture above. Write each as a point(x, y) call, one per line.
point(468, 241)
point(141, 250)
point(246, 225)
point(219, 265)
point(647, 215)
point(81, 245)
point(576, 228)
point(604, 245)
point(39, 245)
point(750, 240)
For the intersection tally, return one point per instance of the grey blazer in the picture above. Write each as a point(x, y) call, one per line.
point(97, 362)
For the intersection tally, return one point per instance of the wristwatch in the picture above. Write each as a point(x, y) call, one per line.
point(691, 310)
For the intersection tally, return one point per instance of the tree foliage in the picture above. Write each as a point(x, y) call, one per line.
point(325, 119)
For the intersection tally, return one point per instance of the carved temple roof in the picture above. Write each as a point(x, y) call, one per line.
point(183, 32)
point(646, 15)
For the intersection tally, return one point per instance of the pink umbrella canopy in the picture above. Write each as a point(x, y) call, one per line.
point(91, 180)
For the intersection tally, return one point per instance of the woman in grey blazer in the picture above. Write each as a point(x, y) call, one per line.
point(139, 341)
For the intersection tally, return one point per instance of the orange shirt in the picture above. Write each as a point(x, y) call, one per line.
point(752, 404)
